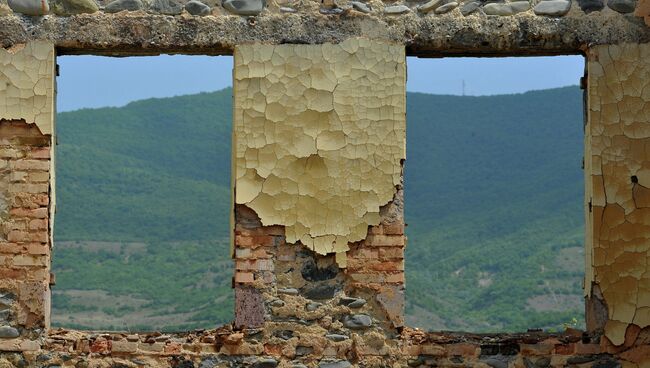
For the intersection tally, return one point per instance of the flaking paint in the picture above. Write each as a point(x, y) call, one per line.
point(319, 136)
point(617, 172)
point(27, 84)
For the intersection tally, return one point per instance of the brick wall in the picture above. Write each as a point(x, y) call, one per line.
point(24, 234)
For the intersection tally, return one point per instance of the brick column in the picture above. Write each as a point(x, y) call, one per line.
point(318, 145)
point(26, 186)
point(617, 195)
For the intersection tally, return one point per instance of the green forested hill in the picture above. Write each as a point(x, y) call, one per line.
point(493, 204)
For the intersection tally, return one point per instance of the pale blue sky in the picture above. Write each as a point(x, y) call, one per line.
point(92, 81)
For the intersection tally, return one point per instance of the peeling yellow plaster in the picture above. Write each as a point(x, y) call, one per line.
point(27, 84)
point(319, 135)
point(617, 172)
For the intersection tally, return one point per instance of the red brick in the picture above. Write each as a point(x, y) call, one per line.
point(38, 177)
point(263, 240)
point(10, 153)
point(37, 249)
point(43, 165)
point(38, 224)
point(243, 265)
point(265, 265)
point(244, 277)
point(15, 225)
point(243, 253)
point(391, 253)
point(10, 248)
point(260, 253)
point(17, 176)
point(18, 236)
point(366, 253)
point(254, 265)
point(12, 273)
point(396, 228)
point(43, 152)
point(32, 213)
point(388, 266)
point(30, 261)
point(385, 240)
point(243, 241)
point(42, 199)
point(28, 188)
point(395, 278)
point(254, 241)
point(275, 230)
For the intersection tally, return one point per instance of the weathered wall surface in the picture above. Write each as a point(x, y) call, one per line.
point(319, 140)
point(423, 33)
point(617, 172)
point(26, 126)
point(24, 235)
point(319, 137)
point(27, 84)
point(318, 237)
point(298, 347)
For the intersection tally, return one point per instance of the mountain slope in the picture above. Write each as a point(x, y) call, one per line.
point(493, 203)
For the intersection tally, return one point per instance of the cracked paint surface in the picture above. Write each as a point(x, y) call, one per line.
point(27, 84)
point(319, 135)
point(617, 173)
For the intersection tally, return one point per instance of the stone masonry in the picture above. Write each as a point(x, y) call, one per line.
point(318, 152)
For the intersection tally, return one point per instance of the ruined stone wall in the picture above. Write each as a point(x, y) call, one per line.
point(26, 193)
point(318, 227)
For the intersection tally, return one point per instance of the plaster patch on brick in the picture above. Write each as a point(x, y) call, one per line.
point(27, 84)
point(319, 135)
point(617, 173)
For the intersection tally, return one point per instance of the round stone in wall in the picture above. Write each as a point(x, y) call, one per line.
point(357, 321)
point(70, 7)
point(361, 7)
point(447, 8)
point(8, 332)
point(469, 7)
point(121, 5)
point(396, 9)
point(244, 7)
point(196, 7)
point(29, 7)
point(589, 6)
point(430, 5)
point(552, 8)
point(622, 6)
point(504, 9)
point(167, 7)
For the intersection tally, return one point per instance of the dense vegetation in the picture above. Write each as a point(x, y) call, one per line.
point(493, 203)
